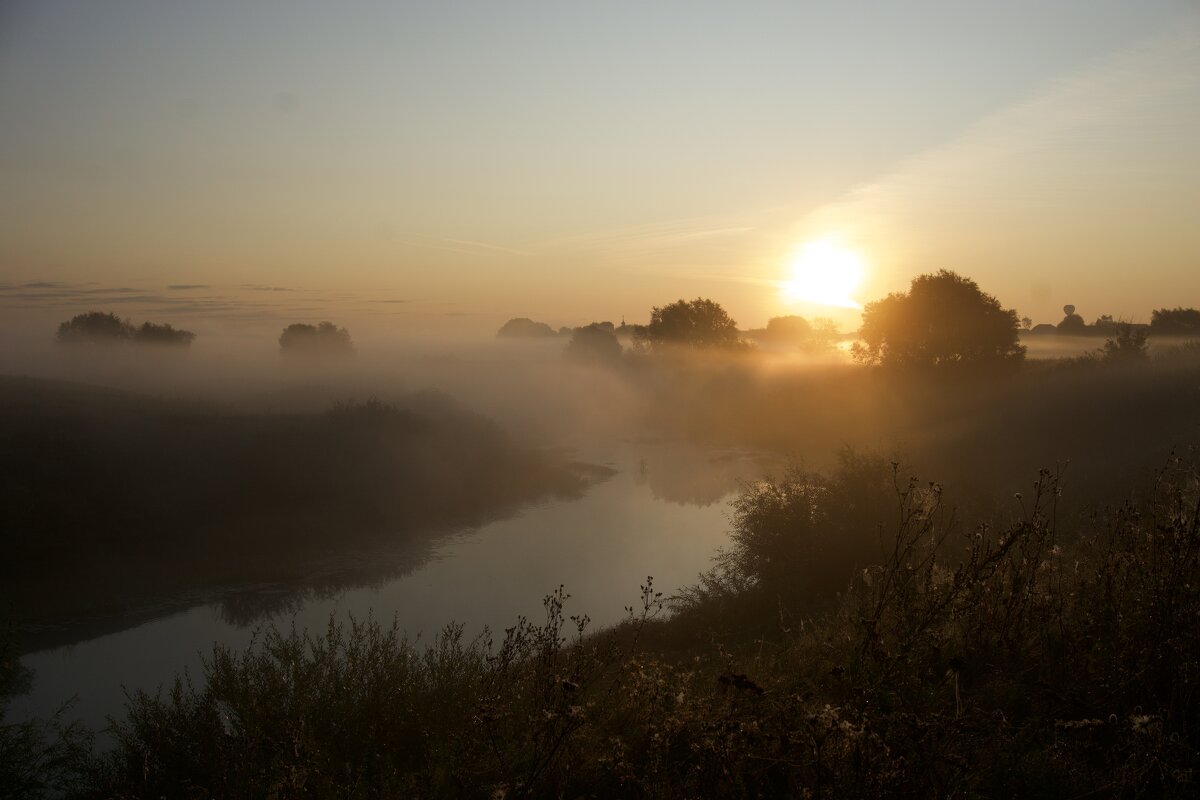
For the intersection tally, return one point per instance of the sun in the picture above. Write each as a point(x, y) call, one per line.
point(826, 273)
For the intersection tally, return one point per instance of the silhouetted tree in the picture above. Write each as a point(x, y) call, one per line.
point(524, 328)
point(152, 333)
point(791, 328)
point(1175, 322)
point(699, 323)
point(1072, 323)
point(594, 344)
point(1104, 325)
point(324, 338)
point(798, 333)
point(944, 319)
point(95, 326)
point(1128, 345)
point(1026, 323)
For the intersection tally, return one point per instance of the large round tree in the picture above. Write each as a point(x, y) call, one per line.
point(944, 319)
point(698, 323)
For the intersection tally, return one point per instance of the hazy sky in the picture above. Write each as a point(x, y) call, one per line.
point(398, 163)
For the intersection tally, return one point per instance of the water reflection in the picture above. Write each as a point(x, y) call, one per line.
point(696, 475)
point(601, 546)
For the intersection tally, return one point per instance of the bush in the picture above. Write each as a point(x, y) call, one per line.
point(38, 758)
point(1129, 345)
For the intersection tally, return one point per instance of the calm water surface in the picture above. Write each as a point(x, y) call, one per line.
point(663, 513)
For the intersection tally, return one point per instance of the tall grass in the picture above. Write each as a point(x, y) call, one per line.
point(1005, 659)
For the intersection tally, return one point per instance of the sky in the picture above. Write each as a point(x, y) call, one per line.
point(401, 165)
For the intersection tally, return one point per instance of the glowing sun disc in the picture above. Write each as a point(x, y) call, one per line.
point(825, 273)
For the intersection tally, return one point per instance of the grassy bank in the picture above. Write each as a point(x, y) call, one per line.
point(933, 656)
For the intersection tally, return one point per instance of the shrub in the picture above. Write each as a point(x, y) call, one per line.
point(1129, 344)
point(38, 758)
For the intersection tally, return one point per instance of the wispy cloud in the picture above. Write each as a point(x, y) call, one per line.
point(1067, 117)
point(466, 246)
point(663, 233)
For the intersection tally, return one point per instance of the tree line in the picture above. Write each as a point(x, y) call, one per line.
point(944, 319)
point(98, 327)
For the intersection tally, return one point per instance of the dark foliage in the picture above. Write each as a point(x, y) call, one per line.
point(1128, 345)
point(1175, 322)
point(1073, 324)
point(151, 333)
point(943, 320)
point(324, 338)
point(699, 323)
point(95, 326)
point(38, 758)
point(1004, 659)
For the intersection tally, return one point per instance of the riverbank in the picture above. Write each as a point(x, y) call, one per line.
point(118, 506)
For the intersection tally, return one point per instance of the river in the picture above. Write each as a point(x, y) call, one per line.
point(663, 513)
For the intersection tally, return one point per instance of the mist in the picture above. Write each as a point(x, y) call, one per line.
point(545, 400)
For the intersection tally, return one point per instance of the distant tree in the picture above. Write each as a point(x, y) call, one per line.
point(525, 328)
point(824, 335)
point(594, 344)
point(943, 320)
point(1175, 322)
point(1026, 323)
point(1072, 323)
point(1128, 345)
point(1104, 325)
point(794, 329)
point(796, 332)
point(698, 323)
point(151, 333)
point(95, 326)
point(324, 338)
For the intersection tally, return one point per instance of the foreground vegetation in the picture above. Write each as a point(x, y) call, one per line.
point(855, 640)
